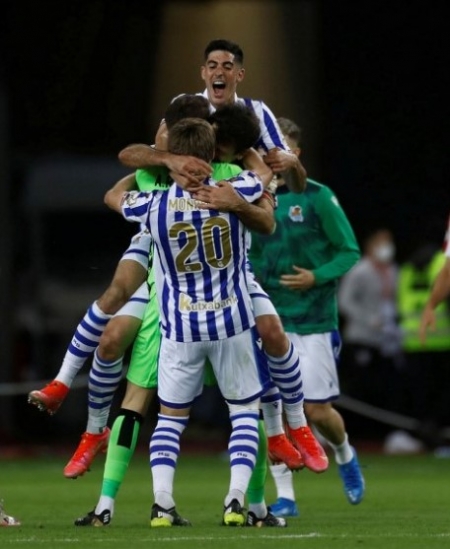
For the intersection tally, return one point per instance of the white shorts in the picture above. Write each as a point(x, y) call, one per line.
point(318, 362)
point(139, 248)
point(260, 299)
point(137, 303)
point(181, 370)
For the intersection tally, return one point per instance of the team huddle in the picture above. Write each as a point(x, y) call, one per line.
point(230, 280)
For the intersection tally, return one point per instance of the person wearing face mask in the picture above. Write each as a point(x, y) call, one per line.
point(372, 336)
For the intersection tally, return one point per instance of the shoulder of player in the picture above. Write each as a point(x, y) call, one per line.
point(314, 187)
point(255, 104)
point(320, 192)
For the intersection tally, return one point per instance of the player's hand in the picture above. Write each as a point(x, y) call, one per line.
point(222, 197)
point(189, 184)
point(427, 322)
point(302, 280)
point(280, 160)
point(189, 167)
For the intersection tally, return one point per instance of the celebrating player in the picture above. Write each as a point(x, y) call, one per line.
point(205, 314)
point(222, 71)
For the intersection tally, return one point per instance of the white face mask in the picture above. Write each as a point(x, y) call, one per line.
point(384, 252)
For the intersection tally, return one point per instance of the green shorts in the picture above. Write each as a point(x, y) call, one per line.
point(143, 368)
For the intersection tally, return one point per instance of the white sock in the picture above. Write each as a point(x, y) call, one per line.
point(272, 409)
point(284, 481)
point(105, 502)
point(260, 509)
point(295, 415)
point(343, 453)
point(234, 494)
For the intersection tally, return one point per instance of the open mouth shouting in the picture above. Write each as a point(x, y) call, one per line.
point(218, 89)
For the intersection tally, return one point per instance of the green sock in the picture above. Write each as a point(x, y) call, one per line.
point(122, 443)
point(255, 492)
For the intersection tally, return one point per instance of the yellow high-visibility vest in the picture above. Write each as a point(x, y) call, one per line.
point(414, 287)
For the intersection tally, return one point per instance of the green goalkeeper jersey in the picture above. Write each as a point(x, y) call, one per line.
point(157, 178)
point(312, 232)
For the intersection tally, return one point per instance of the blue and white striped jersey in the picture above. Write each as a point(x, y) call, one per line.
point(198, 261)
point(271, 135)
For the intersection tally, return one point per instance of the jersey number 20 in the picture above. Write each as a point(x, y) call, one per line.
point(213, 226)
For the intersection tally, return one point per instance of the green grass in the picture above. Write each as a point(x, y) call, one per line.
point(407, 505)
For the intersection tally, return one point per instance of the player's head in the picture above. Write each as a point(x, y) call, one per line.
point(222, 70)
point(237, 129)
point(187, 106)
point(193, 137)
point(292, 133)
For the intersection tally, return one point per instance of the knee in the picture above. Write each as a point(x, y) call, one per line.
point(317, 413)
point(273, 336)
point(110, 344)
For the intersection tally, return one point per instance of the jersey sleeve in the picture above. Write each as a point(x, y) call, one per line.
point(248, 185)
point(271, 134)
point(340, 234)
point(136, 205)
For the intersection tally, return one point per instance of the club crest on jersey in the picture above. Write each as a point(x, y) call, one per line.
point(296, 214)
point(130, 199)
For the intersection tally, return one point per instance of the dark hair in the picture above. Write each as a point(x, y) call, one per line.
point(187, 106)
point(225, 45)
point(236, 125)
point(193, 137)
point(290, 129)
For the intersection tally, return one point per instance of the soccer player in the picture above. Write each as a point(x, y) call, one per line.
point(235, 132)
point(439, 292)
point(222, 71)
point(7, 520)
point(205, 314)
point(299, 266)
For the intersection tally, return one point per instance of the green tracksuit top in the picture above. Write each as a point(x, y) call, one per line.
point(312, 232)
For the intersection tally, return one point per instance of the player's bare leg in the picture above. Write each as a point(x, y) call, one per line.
point(330, 425)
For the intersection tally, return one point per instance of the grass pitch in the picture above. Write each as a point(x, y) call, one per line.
point(407, 505)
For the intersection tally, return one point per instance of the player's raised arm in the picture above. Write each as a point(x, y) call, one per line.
point(113, 198)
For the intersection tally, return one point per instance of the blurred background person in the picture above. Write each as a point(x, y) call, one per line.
point(427, 375)
point(372, 351)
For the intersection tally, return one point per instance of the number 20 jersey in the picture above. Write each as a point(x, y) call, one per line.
point(199, 260)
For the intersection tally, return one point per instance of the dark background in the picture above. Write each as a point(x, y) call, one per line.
point(77, 82)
